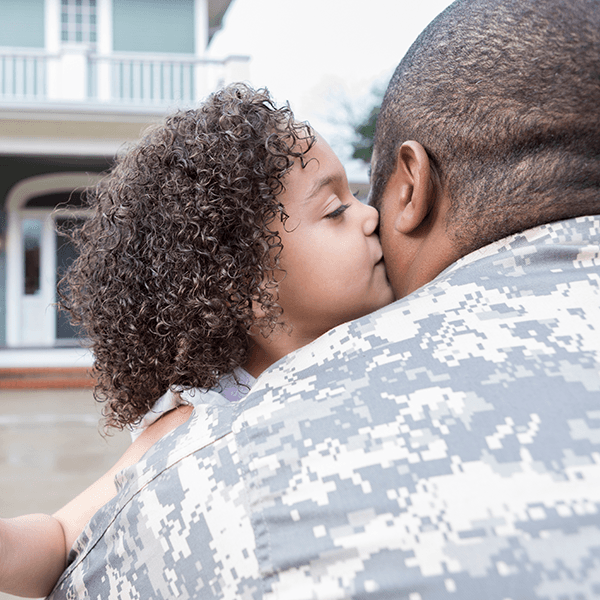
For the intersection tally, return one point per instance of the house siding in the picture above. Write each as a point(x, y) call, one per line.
point(22, 23)
point(142, 26)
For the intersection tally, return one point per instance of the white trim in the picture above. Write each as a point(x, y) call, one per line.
point(55, 357)
point(200, 27)
point(77, 111)
point(52, 25)
point(201, 33)
point(43, 146)
point(52, 31)
point(105, 26)
point(104, 48)
point(14, 279)
point(46, 184)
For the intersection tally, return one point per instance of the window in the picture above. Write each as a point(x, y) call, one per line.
point(65, 255)
point(78, 21)
point(32, 241)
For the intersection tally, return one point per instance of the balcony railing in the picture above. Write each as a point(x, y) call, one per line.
point(22, 75)
point(136, 79)
point(139, 80)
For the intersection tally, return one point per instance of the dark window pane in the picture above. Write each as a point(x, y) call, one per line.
point(32, 240)
point(61, 199)
point(65, 255)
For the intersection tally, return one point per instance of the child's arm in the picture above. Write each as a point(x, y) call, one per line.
point(74, 515)
point(32, 555)
point(34, 548)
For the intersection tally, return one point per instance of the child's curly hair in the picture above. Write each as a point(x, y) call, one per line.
point(180, 248)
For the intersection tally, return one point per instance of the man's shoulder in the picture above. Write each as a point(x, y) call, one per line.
point(546, 275)
point(443, 444)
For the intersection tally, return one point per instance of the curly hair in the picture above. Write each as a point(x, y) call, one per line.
point(182, 247)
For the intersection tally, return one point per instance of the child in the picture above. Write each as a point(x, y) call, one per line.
point(225, 239)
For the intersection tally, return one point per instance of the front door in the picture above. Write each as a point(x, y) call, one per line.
point(40, 258)
point(38, 281)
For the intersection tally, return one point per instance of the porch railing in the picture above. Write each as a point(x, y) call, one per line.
point(137, 79)
point(22, 75)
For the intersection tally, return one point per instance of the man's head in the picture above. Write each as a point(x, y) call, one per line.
point(490, 125)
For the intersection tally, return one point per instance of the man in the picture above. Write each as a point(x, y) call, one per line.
point(447, 446)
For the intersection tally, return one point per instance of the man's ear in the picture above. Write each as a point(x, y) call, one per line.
point(415, 194)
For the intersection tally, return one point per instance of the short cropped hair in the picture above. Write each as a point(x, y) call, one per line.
point(504, 95)
point(181, 247)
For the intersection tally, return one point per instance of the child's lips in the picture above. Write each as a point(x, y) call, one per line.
point(380, 266)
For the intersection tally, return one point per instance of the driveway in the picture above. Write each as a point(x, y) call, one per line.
point(51, 448)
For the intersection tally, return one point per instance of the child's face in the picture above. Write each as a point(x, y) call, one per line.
point(331, 254)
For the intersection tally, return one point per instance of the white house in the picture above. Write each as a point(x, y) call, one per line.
point(78, 78)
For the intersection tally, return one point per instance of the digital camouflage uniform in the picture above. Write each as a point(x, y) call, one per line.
point(446, 446)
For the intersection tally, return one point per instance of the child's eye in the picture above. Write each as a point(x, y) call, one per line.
point(337, 212)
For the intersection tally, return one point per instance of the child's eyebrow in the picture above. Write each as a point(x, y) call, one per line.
point(320, 184)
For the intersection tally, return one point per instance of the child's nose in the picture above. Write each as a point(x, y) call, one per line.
point(370, 219)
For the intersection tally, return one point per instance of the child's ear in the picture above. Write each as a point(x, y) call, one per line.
point(415, 194)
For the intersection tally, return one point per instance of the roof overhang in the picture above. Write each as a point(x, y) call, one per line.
point(72, 129)
point(216, 12)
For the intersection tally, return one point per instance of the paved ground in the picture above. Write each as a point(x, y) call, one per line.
point(51, 448)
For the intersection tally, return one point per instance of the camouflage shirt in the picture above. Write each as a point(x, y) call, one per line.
point(446, 446)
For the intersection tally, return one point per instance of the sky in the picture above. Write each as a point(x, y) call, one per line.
point(324, 56)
